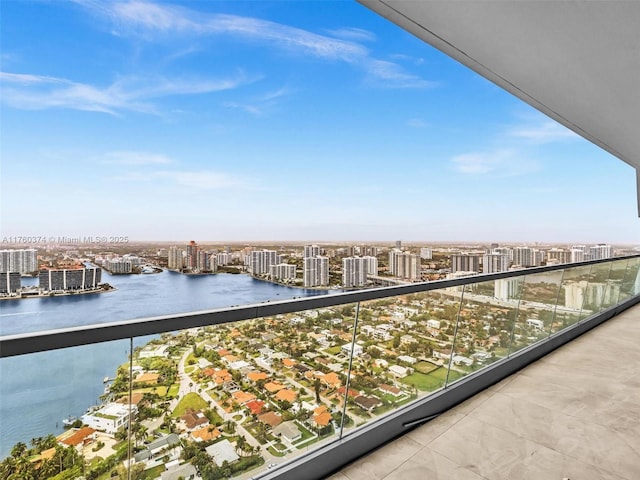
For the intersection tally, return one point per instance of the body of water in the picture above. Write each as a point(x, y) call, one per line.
point(37, 391)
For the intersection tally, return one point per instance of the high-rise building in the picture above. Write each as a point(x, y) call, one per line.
point(311, 251)
point(261, 260)
point(316, 271)
point(282, 271)
point(223, 258)
point(523, 256)
point(578, 255)
point(464, 262)
point(495, 262)
point(426, 253)
point(558, 255)
point(23, 261)
point(504, 250)
point(372, 265)
point(10, 282)
point(600, 251)
point(507, 288)
point(64, 279)
point(175, 259)
point(354, 271)
point(404, 264)
point(191, 260)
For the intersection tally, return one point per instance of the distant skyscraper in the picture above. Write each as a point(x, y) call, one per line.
point(495, 262)
point(316, 271)
point(464, 262)
point(175, 259)
point(505, 250)
point(523, 256)
point(426, 253)
point(311, 251)
point(354, 272)
point(558, 255)
point(404, 264)
point(261, 260)
point(578, 255)
point(507, 288)
point(10, 282)
point(600, 251)
point(282, 271)
point(23, 261)
point(192, 256)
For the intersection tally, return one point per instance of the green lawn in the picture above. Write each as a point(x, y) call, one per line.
point(153, 473)
point(276, 453)
point(425, 367)
point(333, 350)
point(190, 400)
point(432, 381)
point(159, 390)
point(173, 390)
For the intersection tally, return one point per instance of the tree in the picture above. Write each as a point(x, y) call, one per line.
point(316, 387)
point(137, 472)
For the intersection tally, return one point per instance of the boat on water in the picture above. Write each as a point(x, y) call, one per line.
point(67, 422)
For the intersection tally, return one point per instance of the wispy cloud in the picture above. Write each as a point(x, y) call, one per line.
point(37, 92)
point(499, 162)
point(352, 33)
point(390, 74)
point(202, 180)
point(417, 123)
point(149, 21)
point(134, 158)
point(192, 179)
point(544, 132)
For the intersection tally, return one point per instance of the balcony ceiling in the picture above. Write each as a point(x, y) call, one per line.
point(576, 61)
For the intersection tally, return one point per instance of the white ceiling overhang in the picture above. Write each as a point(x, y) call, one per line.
point(576, 61)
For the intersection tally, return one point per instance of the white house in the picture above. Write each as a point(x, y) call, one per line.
point(109, 418)
point(398, 371)
point(222, 452)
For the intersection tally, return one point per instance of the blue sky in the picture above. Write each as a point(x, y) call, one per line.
point(230, 121)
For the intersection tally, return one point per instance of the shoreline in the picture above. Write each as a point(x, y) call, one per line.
point(58, 294)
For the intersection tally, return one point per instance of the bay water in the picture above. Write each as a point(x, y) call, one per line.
point(38, 391)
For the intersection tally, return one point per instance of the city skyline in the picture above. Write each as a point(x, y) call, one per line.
point(279, 121)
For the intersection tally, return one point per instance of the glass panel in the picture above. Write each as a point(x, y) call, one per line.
point(537, 309)
point(631, 282)
point(249, 395)
point(570, 302)
point(595, 289)
point(47, 397)
point(406, 346)
point(614, 283)
point(485, 323)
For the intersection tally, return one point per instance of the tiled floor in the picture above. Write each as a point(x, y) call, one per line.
point(575, 415)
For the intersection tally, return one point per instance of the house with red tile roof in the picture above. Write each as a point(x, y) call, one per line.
point(285, 395)
point(256, 376)
point(77, 438)
point(243, 397)
point(205, 434)
point(273, 387)
point(255, 406)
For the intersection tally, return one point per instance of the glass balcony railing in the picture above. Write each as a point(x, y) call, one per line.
point(256, 391)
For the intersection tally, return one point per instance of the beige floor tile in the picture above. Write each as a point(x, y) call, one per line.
point(427, 464)
point(383, 461)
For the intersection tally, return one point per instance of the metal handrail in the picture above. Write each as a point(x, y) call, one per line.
point(31, 342)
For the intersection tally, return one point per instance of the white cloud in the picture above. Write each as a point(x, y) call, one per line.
point(352, 33)
point(203, 180)
point(150, 20)
point(135, 158)
point(545, 132)
point(390, 74)
point(499, 162)
point(36, 92)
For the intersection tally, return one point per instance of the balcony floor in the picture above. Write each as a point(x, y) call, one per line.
point(575, 414)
